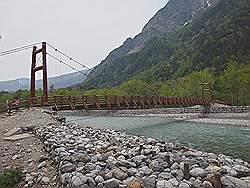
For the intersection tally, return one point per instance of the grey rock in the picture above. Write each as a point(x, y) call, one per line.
point(45, 181)
point(242, 170)
point(100, 185)
point(109, 175)
point(65, 178)
point(164, 176)
point(121, 157)
point(164, 184)
point(14, 131)
point(184, 185)
point(125, 163)
point(69, 167)
point(112, 183)
point(30, 183)
point(119, 174)
point(139, 158)
point(145, 170)
point(28, 178)
point(206, 184)
point(89, 167)
point(197, 172)
point(42, 164)
point(82, 158)
point(174, 182)
point(132, 171)
point(78, 180)
point(122, 186)
point(111, 159)
point(149, 181)
point(91, 182)
point(154, 165)
point(94, 159)
point(229, 181)
point(99, 179)
point(18, 156)
point(247, 180)
point(42, 158)
point(229, 171)
point(180, 174)
point(174, 166)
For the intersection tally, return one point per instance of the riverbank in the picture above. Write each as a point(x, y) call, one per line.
point(69, 155)
point(91, 157)
point(27, 154)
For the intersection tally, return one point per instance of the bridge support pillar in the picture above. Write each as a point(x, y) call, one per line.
point(35, 68)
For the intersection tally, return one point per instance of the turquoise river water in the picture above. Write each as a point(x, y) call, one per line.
point(227, 139)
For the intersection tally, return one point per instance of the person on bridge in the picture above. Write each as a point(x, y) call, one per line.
point(17, 104)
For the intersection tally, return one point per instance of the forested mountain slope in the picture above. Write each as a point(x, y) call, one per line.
point(168, 20)
point(215, 35)
point(210, 41)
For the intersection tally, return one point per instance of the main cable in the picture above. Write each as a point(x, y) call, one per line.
point(8, 53)
point(66, 64)
point(64, 54)
point(18, 49)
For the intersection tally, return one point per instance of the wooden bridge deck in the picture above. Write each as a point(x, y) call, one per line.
point(108, 102)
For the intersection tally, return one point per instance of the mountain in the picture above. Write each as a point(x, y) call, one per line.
point(61, 81)
point(217, 36)
point(175, 15)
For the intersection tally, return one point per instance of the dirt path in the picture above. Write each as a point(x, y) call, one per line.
point(27, 154)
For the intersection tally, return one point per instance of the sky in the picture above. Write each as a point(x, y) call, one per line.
point(87, 30)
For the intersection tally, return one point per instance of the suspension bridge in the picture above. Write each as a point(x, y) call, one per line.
point(90, 102)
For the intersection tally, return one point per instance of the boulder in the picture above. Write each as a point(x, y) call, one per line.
point(184, 185)
point(229, 181)
point(42, 164)
point(99, 179)
point(112, 183)
point(241, 170)
point(206, 184)
point(69, 167)
point(164, 176)
point(119, 174)
point(197, 172)
point(164, 184)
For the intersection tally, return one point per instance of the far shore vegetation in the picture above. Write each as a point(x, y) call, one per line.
point(233, 86)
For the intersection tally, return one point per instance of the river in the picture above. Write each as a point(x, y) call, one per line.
point(227, 139)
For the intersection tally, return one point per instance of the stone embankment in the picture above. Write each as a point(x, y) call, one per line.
point(88, 157)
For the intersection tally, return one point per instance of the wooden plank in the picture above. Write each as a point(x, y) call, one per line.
point(117, 102)
point(125, 101)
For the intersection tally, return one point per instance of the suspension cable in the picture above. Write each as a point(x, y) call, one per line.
point(66, 64)
point(18, 49)
point(5, 54)
point(70, 58)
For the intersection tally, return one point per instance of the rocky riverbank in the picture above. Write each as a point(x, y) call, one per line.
point(88, 157)
point(27, 154)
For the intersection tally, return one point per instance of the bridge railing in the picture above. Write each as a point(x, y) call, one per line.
point(107, 102)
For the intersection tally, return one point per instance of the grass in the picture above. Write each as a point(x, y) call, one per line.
point(10, 178)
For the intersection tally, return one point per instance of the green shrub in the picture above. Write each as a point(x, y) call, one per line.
point(10, 178)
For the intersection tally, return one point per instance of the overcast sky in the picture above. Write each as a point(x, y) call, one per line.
point(86, 29)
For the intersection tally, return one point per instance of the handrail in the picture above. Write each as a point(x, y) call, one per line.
point(107, 102)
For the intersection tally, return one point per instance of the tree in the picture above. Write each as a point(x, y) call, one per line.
point(51, 88)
